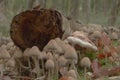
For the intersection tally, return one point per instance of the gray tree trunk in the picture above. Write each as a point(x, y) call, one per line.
point(114, 13)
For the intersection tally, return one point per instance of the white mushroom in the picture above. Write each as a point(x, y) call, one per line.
point(96, 35)
point(78, 38)
point(44, 56)
point(54, 47)
point(2, 69)
point(71, 54)
point(49, 55)
point(72, 73)
point(49, 65)
point(4, 46)
point(61, 44)
point(4, 54)
point(9, 45)
point(114, 36)
point(62, 61)
point(18, 53)
point(10, 64)
point(86, 63)
point(34, 52)
point(67, 78)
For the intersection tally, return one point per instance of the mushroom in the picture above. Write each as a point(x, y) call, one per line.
point(2, 69)
point(86, 63)
point(71, 54)
point(78, 38)
point(49, 65)
point(4, 46)
point(17, 53)
point(44, 56)
point(11, 50)
point(49, 55)
point(66, 78)
point(96, 35)
point(10, 64)
point(114, 36)
point(52, 45)
point(34, 52)
point(61, 44)
point(72, 74)
point(62, 61)
point(4, 54)
point(9, 45)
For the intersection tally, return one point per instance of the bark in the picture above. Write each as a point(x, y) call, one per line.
point(36, 28)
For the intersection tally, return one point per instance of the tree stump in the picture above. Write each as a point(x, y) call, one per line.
point(36, 28)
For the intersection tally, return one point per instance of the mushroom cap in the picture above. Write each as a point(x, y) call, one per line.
point(4, 46)
point(62, 61)
point(43, 55)
point(61, 44)
point(9, 45)
point(71, 78)
point(70, 53)
point(52, 45)
point(18, 53)
point(11, 50)
point(49, 64)
point(96, 34)
point(4, 53)
point(66, 78)
point(34, 51)
point(10, 63)
point(49, 55)
point(2, 67)
point(82, 43)
point(80, 39)
point(85, 62)
point(72, 73)
point(114, 36)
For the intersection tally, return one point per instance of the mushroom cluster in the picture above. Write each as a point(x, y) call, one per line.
point(60, 59)
point(56, 56)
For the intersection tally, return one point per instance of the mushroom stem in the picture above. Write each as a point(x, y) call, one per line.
point(1, 73)
point(49, 76)
point(73, 65)
point(56, 69)
point(29, 64)
point(36, 61)
point(106, 59)
point(85, 70)
point(43, 67)
point(56, 63)
point(21, 65)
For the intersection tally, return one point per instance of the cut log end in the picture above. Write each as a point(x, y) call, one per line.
point(36, 28)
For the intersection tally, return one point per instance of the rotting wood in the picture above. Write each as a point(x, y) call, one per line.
point(36, 28)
